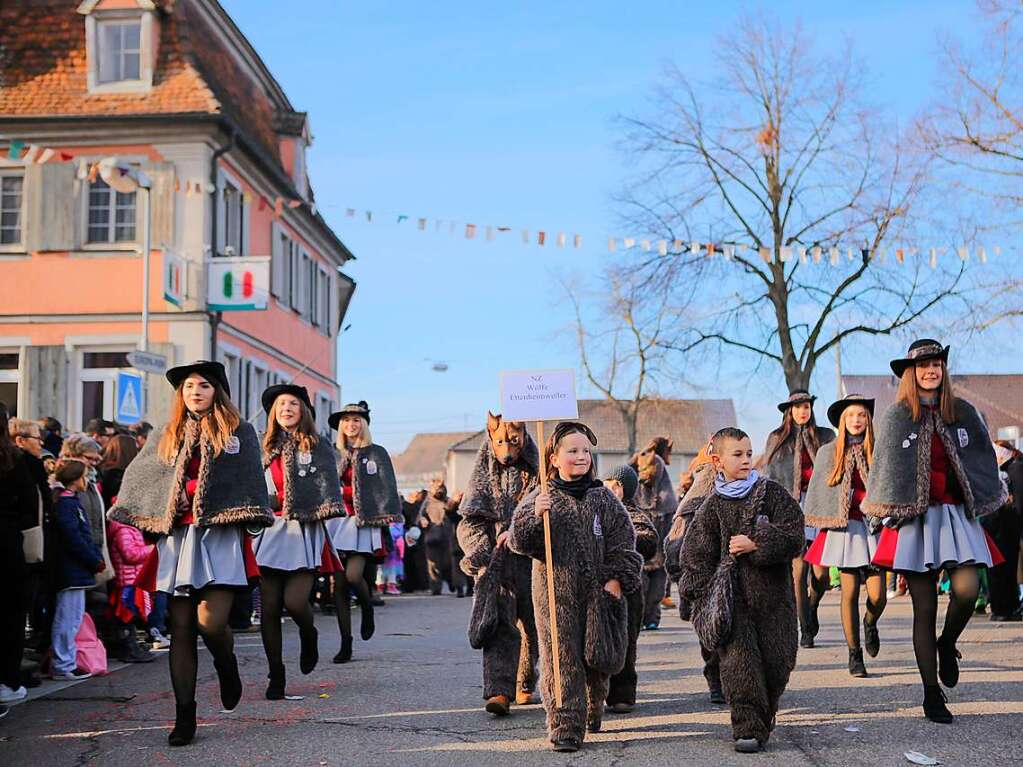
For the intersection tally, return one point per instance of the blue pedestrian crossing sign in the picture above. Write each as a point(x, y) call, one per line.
point(130, 407)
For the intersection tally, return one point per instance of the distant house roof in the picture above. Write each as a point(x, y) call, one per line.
point(426, 453)
point(998, 397)
point(687, 421)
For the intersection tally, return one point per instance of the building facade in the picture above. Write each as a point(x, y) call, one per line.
point(174, 90)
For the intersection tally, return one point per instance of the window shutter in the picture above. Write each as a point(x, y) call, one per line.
point(50, 210)
point(276, 261)
point(325, 291)
point(162, 176)
point(221, 212)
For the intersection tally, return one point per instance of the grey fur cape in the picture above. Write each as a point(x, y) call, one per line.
point(312, 488)
point(493, 492)
point(231, 488)
point(374, 486)
point(827, 507)
point(899, 485)
point(786, 467)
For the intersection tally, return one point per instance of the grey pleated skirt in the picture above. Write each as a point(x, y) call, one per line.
point(849, 548)
point(346, 535)
point(290, 545)
point(943, 537)
point(192, 558)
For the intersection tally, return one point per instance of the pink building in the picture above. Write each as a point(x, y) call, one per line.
point(172, 88)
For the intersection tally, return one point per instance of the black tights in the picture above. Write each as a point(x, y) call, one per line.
point(810, 583)
point(923, 589)
point(351, 583)
point(280, 589)
point(205, 613)
point(876, 601)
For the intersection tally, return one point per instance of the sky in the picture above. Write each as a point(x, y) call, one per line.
point(506, 116)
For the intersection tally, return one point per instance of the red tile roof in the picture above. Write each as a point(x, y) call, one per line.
point(426, 453)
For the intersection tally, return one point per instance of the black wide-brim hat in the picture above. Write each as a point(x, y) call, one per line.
point(835, 409)
point(797, 397)
point(212, 371)
point(359, 408)
point(920, 350)
point(271, 393)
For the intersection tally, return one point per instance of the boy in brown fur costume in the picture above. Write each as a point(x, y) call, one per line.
point(505, 470)
point(623, 481)
point(755, 522)
point(436, 536)
point(594, 565)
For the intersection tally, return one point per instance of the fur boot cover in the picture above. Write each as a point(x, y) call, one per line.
point(374, 487)
point(489, 609)
point(312, 489)
point(826, 506)
point(231, 488)
point(786, 467)
point(899, 485)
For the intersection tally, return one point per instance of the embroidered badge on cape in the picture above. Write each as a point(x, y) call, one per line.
point(964, 438)
point(371, 467)
point(597, 529)
point(232, 446)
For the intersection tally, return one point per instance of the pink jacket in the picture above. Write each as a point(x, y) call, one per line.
point(128, 552)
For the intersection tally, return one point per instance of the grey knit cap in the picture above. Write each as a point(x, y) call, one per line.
point(629, 479)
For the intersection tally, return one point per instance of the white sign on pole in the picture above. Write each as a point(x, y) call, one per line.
point(147, 361)
point(538, 395)
point(238, 284)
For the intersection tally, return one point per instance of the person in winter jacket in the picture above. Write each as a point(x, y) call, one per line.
point(746, 534)
point(595, 565)
point(78, 560)
point(623, 482)
point(128, 552)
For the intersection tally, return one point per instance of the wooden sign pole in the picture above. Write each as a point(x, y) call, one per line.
point(552, 612)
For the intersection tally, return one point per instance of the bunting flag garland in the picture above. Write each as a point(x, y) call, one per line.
point(470, 231)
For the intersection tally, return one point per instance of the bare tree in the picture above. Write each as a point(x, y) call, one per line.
point(782, 161)
point(621, 347)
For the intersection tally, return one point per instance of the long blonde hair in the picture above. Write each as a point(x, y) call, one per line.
point(365, 438)
point(910, 395)
point(841, 448)
point(305, 431)
point(217, 427)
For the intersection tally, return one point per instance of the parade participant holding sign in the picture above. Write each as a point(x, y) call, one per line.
point(846, 540)
point(788, 460)
point(933, 476)
point(197, 485)
point(735, 569)
point(624, 482)
point(505, 470)
point(594, 563)
point(302, 481)
point(370, 494)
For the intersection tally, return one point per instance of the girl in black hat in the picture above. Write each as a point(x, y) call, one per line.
point(370, 492)
point(847, 540)
point(196, 486)
point(304, 490)
point(788, 460)
point(934, 474)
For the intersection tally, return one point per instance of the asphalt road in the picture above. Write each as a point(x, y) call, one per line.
point(412, 696)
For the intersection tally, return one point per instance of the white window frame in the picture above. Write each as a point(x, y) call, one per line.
point(323, 407)
point(258, 380)
point(112, 222)
point(231, 358)
point(282, 270)
point(326, 285)
point(147, 49)
point(14, 375)
point(19, 246)
point(106, 376)
point(224, 179)
point(83, 208)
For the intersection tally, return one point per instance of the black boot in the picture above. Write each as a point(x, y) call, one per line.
point(310, 654)
point(184, 725)
point(345, 653)
point(948, 663)
point(934, 705)
point(871, 639)
point(368, 624)
point(805, 640)
point(275, 689)
point(230, 682)
point(856, 667)
point(133, 651)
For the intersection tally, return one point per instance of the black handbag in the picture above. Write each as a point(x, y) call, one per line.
point(485, 617)
point(713, 613)
point(607, 635)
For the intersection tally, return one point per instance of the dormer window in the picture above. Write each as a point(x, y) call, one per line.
point(120, 49)
point(120, 42)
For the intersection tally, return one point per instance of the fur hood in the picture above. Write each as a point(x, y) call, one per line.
point(312, 489)
point(786, 467)
point(374, 486)
point(659, 497)
point(231, 488)
point(827, 507)
point(899, 485)
point(494, 490)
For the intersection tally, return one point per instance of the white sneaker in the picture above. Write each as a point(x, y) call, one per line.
point(7, 695)
point(160, 642)
point(71, 676)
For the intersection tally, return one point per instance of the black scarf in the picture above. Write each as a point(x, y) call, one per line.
point(576, 487)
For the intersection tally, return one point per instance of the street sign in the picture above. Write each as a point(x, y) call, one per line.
point(538, 395)
point(147, 361)
point(238, 284)
point(130, 407)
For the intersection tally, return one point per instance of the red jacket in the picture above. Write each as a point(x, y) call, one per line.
point(128, 552)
